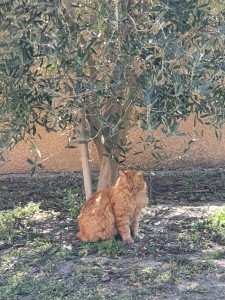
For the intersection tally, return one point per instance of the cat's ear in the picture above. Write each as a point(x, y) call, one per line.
point(139, 173)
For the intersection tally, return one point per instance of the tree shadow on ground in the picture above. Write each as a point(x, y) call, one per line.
point(177, 256)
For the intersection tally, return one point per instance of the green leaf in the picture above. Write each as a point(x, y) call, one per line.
point(70, 147)
point(157, 156)
point(139, 152)
point(30, 161)
point(191, 142)
point(186, 149)
point(33, 170)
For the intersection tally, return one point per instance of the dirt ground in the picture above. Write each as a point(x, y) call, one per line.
point(179, 255)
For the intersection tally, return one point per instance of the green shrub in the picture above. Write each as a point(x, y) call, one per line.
point(8, 219)
point(218, 217)
point(72, 204)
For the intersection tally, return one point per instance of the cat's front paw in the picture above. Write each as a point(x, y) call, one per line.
point(134, 236)
point(129, 241)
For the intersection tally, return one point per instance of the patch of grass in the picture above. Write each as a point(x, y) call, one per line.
point(27, 211)
point(191, 270)
point(211, 229)
point(189, 184)
point(112, 248)
point(38, 287)
point(147, 270)
point(217, 255)
point(151, 276)
point(219, 237)
point(33, 253)
point(218, 218)
point(48, 281)
point(149, 248)
point(8, 219)
point(196, 289)
point(201, 226)
point(222, 195)
point(164, 276)
point(72, 204)
point(100, 293)
point(39, 246)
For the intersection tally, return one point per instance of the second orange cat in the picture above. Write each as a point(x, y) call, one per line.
point(114, 210)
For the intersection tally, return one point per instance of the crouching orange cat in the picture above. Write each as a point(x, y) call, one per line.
point(114, 210)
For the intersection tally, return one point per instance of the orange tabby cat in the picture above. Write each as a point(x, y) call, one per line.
point(114, 210)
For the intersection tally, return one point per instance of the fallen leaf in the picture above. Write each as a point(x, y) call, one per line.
point(136, 283)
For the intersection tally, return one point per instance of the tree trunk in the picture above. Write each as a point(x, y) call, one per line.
point(84, 155)
point(108, 172)
point(109, 166)
point(86, 170)
point(71, 19)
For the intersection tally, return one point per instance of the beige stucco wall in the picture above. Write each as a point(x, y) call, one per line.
point(204, 151)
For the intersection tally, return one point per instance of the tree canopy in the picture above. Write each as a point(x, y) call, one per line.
point(149, 63)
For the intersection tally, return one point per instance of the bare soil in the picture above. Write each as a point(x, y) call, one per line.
point(178, 255)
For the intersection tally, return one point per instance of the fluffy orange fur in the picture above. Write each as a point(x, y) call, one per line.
point(114, 210)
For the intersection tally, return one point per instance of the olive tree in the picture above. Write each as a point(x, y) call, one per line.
point(97, 68)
